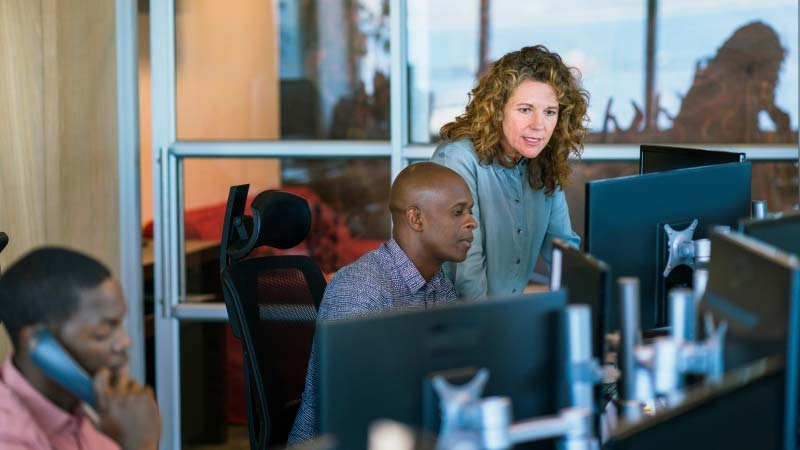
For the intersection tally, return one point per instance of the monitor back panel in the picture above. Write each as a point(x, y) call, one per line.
point(625, 220)
point(587, 281)
point(660, 158)
point(377, 367)
point(782, 230)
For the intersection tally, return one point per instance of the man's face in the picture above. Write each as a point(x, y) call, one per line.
point(448, 220)
point(95, 335)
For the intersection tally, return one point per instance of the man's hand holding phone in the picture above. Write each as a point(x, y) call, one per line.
point(127, 411)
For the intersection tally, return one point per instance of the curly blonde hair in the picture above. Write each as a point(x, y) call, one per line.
point(482, 121)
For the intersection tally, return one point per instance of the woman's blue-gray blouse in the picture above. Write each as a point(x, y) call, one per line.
point(515, 223)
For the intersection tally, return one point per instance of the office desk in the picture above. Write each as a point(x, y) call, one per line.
point(203, 400)
point(202, 268)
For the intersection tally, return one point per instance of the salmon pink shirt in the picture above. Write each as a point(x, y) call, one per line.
point(29, 421)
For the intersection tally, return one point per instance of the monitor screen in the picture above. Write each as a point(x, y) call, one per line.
point(744, 412)
point(381, 366)
point(755, 288)
point(625, 220)
point(588, 281)
point(781, 230)
point(659, 158)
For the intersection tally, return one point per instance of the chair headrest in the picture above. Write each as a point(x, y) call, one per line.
point(280, 219)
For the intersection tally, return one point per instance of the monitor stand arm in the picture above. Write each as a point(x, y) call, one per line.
point(471, 422)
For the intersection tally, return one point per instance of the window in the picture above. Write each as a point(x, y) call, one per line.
point(677, 71)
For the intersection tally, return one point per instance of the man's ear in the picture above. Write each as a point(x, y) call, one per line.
point(414, 218)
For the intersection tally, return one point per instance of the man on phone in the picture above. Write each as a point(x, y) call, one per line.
point(74, 298)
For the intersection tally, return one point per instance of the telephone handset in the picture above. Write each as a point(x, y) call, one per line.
point(53, 360)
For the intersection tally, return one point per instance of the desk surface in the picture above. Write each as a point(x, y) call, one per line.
point(194, 248)
point(202, 269)
point(535, 287)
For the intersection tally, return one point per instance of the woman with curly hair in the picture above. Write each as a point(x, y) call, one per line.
point(526, 115)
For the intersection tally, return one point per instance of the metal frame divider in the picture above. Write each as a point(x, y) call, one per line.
point(130, 245)
point(165, 243)
point(398, 74)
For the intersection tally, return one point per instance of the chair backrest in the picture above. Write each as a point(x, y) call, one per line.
point(271, 302)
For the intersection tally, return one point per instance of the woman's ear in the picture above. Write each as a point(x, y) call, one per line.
point(414, 218)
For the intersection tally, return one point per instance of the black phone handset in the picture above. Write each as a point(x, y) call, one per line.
point(53, 360)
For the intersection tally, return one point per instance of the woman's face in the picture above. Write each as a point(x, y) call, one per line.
point(529, 117)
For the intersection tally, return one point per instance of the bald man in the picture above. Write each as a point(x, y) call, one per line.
point(431, 208)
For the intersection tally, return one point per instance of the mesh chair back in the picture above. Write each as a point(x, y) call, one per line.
point(272, 303)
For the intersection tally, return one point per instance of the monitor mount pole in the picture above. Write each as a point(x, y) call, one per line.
point(469, 421)
point(655, 371)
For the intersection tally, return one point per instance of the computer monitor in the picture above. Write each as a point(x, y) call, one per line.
point(625, 220)
point(588, 281)
point(381, 366)
point(660, 158)
point(744, 412)
point(755, 288)
point(781, 230)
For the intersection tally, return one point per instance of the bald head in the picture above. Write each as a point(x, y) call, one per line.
point(432, 216)
point(416, 182)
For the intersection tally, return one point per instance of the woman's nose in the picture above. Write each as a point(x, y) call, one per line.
point(536, 121)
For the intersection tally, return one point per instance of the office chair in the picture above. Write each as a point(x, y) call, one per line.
point(272, 302)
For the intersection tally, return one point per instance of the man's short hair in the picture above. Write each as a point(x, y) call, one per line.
point(45, 286)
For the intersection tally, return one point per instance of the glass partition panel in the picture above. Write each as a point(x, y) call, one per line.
point(348, 199)
point(282, 69)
